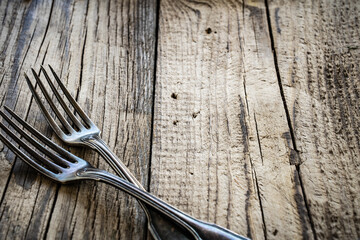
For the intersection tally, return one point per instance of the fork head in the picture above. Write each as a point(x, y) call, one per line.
point(48, 158)
point(79, 131)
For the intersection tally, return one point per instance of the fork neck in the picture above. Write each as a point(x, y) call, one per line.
point(193, 228)
point(96, 143)
point(183, 220)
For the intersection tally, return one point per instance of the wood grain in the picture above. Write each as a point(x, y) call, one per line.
point(221, 140)
point(254, 124)
point(104, 52)
point(318, 49)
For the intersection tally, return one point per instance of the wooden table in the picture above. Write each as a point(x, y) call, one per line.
point(245, 114)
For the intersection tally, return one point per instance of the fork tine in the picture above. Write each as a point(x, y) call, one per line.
point(61, 100)
point(26, 159)
point(51, 103)
point(51, 121)
point(41, 137)
point(44, 150)
point(71, 99)
point(54, 168)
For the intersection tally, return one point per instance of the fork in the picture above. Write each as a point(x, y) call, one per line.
point(88, 135)
point(62, 166)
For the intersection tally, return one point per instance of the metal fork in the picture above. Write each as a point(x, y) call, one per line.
point(89, 136)
point(86, 136)
point(63, 167)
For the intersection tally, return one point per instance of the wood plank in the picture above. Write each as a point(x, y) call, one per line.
point(22, 191)
point(221, 148)
point(104, 51)
point(318, 50)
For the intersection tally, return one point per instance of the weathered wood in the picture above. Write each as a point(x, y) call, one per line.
point(104, 52)
point(24, 196)
point(256, 114)
point(221, 150)
point(318, 50)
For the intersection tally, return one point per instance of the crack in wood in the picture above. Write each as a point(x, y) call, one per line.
point(260, 203)
point(287, 114)
point(46, 29)
point(258, 139)
point(278, 76)
point(81, 66)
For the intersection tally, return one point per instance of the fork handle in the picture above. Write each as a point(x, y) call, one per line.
point(119, 167)
point(189, 226)
point(156, 224)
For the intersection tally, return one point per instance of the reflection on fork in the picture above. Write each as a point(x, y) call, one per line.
point(88, 135)
point(62, 166)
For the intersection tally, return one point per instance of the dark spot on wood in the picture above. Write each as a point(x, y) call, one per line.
point(287, 136)
point(195, 114)
point(277, 18)
point(208, 30)
point(294, 157)
point(197, 13)
point(174, 95)
point(275, 232)
point(353, 47)
point(255, 12)
point(175, 122)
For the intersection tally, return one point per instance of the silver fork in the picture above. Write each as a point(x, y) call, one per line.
point(86, 136)
point(89, 136)
point(63, 167)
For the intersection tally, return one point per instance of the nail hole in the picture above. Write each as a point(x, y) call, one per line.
point(275, 232)
point(208, 30)
point(195, 114)
point(174, 95)
point(175, 122)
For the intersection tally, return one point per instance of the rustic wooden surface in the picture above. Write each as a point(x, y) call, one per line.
point(245, 114)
